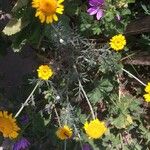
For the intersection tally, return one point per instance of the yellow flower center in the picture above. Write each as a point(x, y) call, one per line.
point(6, 125)
point(64, 133)
point(48, 6)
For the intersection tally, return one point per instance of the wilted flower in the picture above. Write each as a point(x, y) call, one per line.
point(96, 7)
point(21, 144)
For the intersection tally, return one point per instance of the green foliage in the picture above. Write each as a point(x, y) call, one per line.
point(111, 64)
point(101, 91)
point(114, 140)
point(146, 9)
point(38, 126)
point(88, 74)
point(19, 5)
point(145, 133)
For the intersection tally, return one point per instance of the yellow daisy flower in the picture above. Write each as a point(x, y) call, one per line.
point(64, 132)
point(147, 88)
point(8, 126)
point(44, 72)
point(147, 97)
point(46, 9)
point(95, 128)
point(117, 42)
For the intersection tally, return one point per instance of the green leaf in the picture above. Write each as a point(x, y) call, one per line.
point(126, 12)
point(111, 138)
point(131, 1)
point(17, 48)
point(109, 16)
point(122, 121)
point(103, 87)
point(14, 26)
point(96, 31)
point(38, 125)
point(71, 8)
point(19, 4)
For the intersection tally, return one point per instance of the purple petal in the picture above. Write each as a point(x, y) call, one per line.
point(25, 119)
point(92, 11)
point(86, 147)
point(96, 2)
point(99, 14)
point(21, 144)
point(93, 2)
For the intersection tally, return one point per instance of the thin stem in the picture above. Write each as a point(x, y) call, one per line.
point(133, 76)
point(121, 141)
point(92, 112)
point(57, 117)
point(119, 87)
point(39, 43)
point(65, 145)
point(27, 100)
point(78, 136)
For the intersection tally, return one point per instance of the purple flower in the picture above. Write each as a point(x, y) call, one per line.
point(86, 147)
point(96, 7)
point(21, 144)
point(24, 119)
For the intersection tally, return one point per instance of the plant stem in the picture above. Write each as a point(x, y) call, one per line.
point(39, 43)
point(78, 136)
point(121, 141)
point(26, 101)
point(57, 117)
point(119, 87)
point(92, 112)
point(133, 76)
point(65, 145)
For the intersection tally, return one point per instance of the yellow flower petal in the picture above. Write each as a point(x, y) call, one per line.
point(95, 128)
point(147, 88)
point(44, 72)
point(60, 1)
point(49, 19)
point(147, 97)
point(117, 42)
point(55, 17)
point(46, 9)
point(64, 132)
point(8, 126)
point(59, 10)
